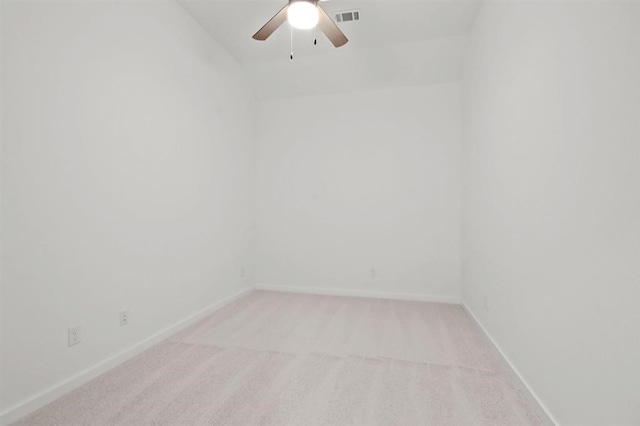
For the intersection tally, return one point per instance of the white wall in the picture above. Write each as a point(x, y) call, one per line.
point(350, 69)
point(127, 170)
point(359, 181)
point(551, 234)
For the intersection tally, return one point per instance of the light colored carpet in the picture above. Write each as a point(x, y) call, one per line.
point(291, 359)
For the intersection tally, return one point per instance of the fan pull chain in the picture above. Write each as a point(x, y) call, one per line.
point(291, 55)
point(315, 30)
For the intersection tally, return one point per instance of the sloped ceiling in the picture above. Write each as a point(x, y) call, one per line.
point(395, 43)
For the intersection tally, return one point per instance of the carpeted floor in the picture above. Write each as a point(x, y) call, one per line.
point(292, 359)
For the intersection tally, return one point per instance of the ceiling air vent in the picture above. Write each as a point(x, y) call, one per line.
point(351, 15)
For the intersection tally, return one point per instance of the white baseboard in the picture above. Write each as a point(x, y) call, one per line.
point(359, 293)
point(511, 365)
point(46, 396)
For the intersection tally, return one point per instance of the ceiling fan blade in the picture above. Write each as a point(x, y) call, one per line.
point(273, 24)
point(330, 29)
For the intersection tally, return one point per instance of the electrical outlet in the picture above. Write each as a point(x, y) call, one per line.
point(373, 273)
point(242, 272)
point(75, 335)
point(124, 318)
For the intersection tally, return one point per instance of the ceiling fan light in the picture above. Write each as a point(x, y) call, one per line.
point(302, 14)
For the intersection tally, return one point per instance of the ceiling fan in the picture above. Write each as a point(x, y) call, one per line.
point(303, 14)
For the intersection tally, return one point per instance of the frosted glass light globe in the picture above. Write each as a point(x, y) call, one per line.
point(302, 14)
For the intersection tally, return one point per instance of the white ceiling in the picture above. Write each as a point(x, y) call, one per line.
point(395, 43)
